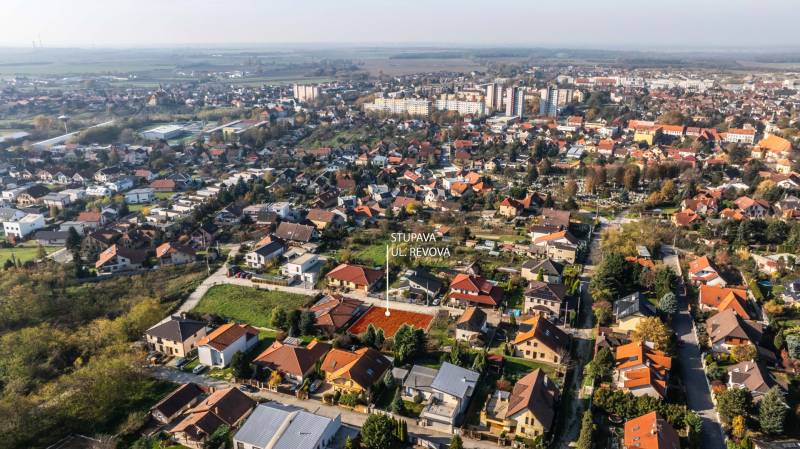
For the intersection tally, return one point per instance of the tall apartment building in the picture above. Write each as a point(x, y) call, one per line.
point(553, 99)
point(494, 97)
point(463, 107)
point(410, 106)
point(305, 92)
point(515, 102)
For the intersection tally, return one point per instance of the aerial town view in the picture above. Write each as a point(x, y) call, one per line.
point(389, 225)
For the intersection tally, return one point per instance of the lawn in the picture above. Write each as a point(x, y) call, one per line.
point(247, 304)
point(24, 253)
point(372, 255)
point(138, 207)
point(164, 195)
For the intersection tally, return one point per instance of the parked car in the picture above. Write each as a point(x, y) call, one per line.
point(198, 369)
point(314, 386)
point(248, 388)
point(180, 361)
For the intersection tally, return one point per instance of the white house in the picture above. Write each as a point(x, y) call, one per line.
point(20, 228)
point(304, 267)
point(98, 190)
point(451, 391)
point(140, 196)
point(259, 257)
point(218, 348)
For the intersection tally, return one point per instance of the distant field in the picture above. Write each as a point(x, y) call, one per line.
point(24, 254)
point(247, 304)
point(409, 66)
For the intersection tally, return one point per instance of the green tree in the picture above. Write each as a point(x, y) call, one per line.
point(668, 304)
point(220, 438)
point(348, 443)
point(240, 366)
point(587, 430)
point(378, 432)
point(397, 405)
point(772, 411)
point(733, 402)
point(307, 321)
point(456, 442)
point(603, 363)
point(368, 337)
point(280, 319)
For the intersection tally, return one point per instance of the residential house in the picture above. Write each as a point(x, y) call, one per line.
point(176, 403)
point(417, 383)
point(218, 348)
point(334, 312)
point(471, 325)
point(423, 285)
point(140, 196)
point(354, 371)
point(550, 270)
point(753, 208)
point(323, 219)
point(451, 391)
point(263, 254)
point(175, 336)
point(293, 361)
point(225, 407)
point(279, 426)
point(169, 253)
point(91, 220)
point(752, 376)
point(727, 330)
point(630, 310)
point(702, 271)
point(713, 297)
point(21, 228)
point(32, 195)
point(116, 258)
point(542, 298)
point(528, 411)
point(541, 340)
point(468, 289)
point(304, 268)
point(295, 233)
point(791, 292)
point(641, 370)
point(353, 277)
point(650, 431)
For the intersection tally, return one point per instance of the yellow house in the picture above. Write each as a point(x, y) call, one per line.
point(543, 341)
point(645, 134)
point(175, 337)
point(527, 411)
point(354, 372)
point(631, 310)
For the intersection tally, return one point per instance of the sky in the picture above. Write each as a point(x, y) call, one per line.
point(613, 24)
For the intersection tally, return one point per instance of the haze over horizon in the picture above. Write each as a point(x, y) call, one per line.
point(627, 24)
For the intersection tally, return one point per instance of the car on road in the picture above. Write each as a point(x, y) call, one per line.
point(248, 388)
point(198, 369)
point(180, 361)
point(314, 386)
point(155, 357)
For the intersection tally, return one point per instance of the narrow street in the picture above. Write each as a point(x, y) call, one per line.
point(582, 354)
point(698, 393)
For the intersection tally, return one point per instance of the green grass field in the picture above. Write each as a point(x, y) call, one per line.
point(373, 254)
point(164, 195)
point(24, 253)
point(247, 304)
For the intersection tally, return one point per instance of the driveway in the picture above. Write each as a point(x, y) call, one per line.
point(698, 393)
point(348, 417)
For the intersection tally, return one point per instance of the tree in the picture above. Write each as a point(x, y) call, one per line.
point(388, 380)
point(772, 411)
point(738, 427)
point(280, 319)
point(240, 366)
point(744, 352)
point(571, 188)
point(378, 432)
point(348, 443)
point(73, 239)
point(603, 363)
point(652, 329)
point(456, 442)
point(668, 304)
point(220, 438)
point(275, 379)
point(397, 405)
point(307, 321)
point(587, 430)
point(368, 337)
point(793, 345)
point(733, 402)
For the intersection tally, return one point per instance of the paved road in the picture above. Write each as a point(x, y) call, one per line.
point(583, 353)
point(349, 417)
point(698, 393)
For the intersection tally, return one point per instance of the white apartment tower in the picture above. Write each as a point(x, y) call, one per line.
point(305, 92)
